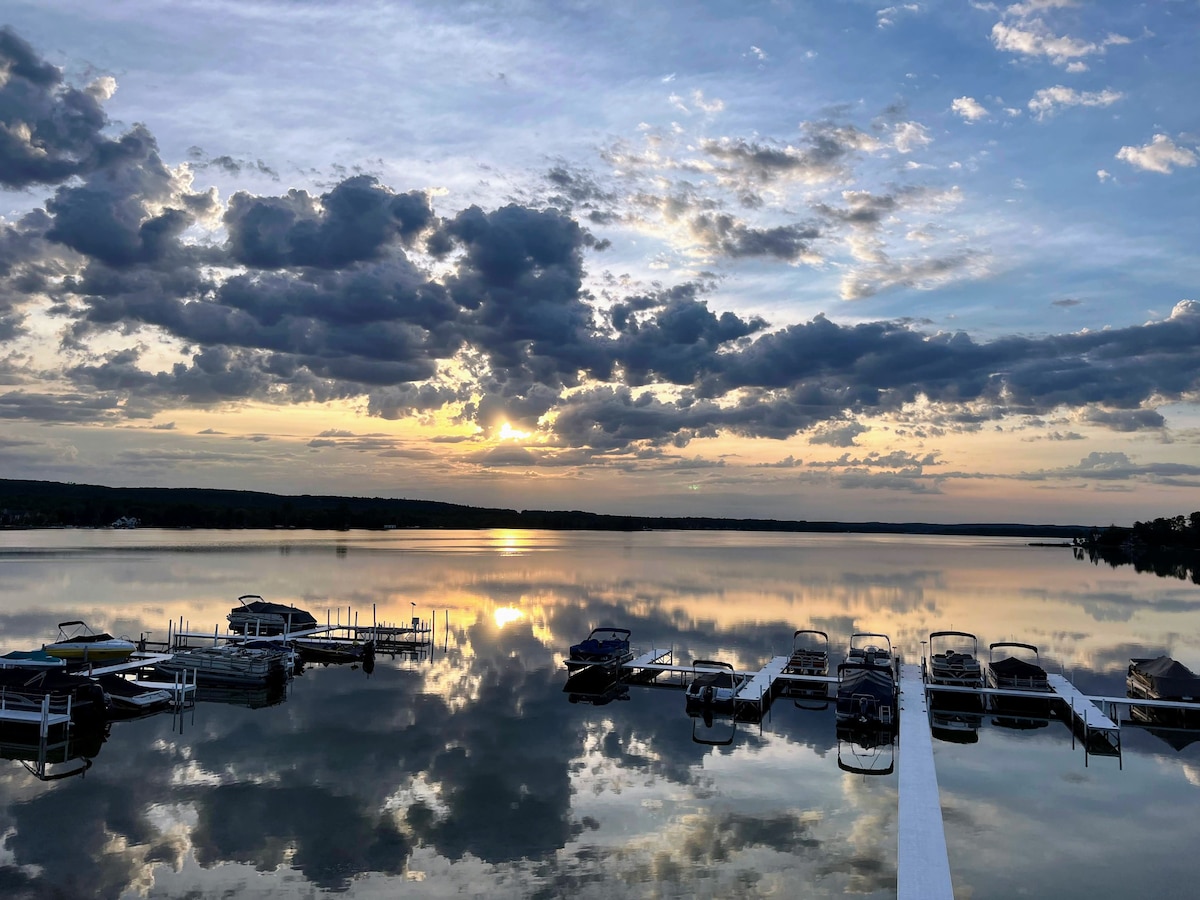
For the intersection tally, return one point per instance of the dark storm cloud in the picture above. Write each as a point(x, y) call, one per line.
point(78, 408)
point(353, 222)
point(109, 217)
point(330, 298)
point(49, 131)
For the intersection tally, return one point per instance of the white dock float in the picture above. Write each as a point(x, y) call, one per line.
point(753, 692)
point(137, 660)
point(1087, 714)
point(44, 717)
point(923, 866)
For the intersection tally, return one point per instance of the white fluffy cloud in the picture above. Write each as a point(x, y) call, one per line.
point(1161, 155)
point(1048, 101)
point(969, 108)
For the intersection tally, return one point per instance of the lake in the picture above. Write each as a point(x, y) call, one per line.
point(468, 772)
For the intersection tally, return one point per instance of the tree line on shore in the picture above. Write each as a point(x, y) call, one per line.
point(47, 504)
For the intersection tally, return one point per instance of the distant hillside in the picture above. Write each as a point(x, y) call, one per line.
point(46, 504)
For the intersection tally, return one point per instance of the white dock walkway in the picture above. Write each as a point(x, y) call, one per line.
point(761, 685)
point(137, 660)
point(923, 866)
point(1085, 712)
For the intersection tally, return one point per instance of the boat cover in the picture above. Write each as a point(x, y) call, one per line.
point(1168, 678)
point(1011, 667)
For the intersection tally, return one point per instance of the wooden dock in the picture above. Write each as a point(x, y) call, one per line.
point(923, 865)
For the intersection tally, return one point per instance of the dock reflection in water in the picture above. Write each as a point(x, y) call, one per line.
point(470, 774)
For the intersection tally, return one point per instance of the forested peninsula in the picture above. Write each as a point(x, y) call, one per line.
point(48, 504)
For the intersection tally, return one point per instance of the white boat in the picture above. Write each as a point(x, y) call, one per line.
point(714, 686)
point(78, 643)
point(227, 664)
point(30, 659)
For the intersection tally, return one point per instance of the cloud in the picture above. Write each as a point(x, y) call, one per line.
point(1118, 466)
point(969, 108)
point(1048, 101)
point(823, 156)
point(49, 131)
point(363, 293)
point(838, 435)
point(1024, 32)
point(1160, 155)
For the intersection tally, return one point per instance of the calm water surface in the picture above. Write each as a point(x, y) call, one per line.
point(469, 773)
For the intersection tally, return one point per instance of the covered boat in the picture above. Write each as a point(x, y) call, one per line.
point(713, 687)
point(1015, 672)
point(603, 647)
point(258, 616)
point(1163, 678)
point(78, 643)
point(867, 690)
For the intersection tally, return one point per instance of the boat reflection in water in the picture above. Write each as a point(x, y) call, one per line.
point(61, 753)
point(717, 731)
point(866, 750)
point(251, 696)
point(596, 685)
point(955, 726)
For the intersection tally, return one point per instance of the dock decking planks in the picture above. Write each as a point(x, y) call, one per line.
point(923, 866)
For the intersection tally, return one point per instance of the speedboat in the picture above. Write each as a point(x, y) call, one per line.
point(954, 662)
point(128, 699)
point(713, 687)
point(603, 647)
point(1018, 673)
point(78, 643)
point(866, 689)
point(258, 616)
point(30, 659)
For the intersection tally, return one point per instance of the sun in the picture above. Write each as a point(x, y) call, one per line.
point(508, 433)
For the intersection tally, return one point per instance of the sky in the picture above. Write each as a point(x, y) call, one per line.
point(846, 261)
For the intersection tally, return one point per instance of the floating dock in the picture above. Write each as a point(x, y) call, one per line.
point(1101, 735)
point(923, 865)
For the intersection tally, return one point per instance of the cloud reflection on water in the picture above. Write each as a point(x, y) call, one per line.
point(473, 772)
